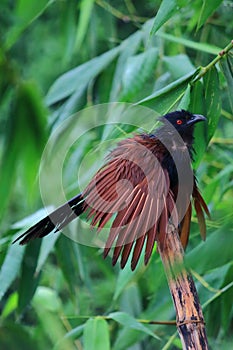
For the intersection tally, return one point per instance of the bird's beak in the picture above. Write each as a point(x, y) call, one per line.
point(196, 118)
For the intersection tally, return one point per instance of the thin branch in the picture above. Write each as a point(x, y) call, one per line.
point(205, 69)
point(118, 14)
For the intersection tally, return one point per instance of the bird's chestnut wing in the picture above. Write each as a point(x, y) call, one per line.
point(132, 189)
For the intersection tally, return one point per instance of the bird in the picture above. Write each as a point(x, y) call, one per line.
point(146, 184)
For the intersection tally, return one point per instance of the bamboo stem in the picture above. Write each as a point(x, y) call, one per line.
point(205, 69)
point(189, 316)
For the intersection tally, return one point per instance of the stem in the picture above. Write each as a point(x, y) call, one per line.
point(118, 14)
point(205, 69)
point(189, 316)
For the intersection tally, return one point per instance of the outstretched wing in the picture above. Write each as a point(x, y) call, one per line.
point(134, 191)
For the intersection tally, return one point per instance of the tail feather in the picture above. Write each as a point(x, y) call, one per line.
point(59, 218)
point(200, 207)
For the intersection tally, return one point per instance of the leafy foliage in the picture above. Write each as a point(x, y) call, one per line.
point(57, 58)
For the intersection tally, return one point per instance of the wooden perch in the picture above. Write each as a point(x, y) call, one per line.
point(189, 317)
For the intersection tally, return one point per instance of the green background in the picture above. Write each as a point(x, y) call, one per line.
point(56, 58)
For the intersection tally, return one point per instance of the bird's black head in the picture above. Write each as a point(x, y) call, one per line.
point(183, 120)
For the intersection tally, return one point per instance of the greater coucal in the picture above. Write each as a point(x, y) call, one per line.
point(146, 184)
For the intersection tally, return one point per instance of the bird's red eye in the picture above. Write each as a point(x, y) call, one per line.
point(179, 122)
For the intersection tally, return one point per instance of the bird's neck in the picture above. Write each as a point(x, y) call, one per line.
point(170, 138)
point(188, 139)
point(176, 156)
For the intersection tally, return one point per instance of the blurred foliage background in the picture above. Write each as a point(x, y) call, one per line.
point(57, 57)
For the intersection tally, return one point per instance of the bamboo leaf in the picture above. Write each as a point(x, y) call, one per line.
point(13, 335)
point(10, 267)
point(208, 7)
point(203, 47)
point(124, 277)
point(164, 100)
point(130, 322)
point(197, 105)
point(68, 262)
point(131, 45)
point(25, 126)
point(178, 65)
point(213, 100)
point(47, 245)
point(227, 68)
point(28, 279)
point(138, 69)
point(220, 240)
point(47, 304)
point(165, 12)
point(185, 101)
point(47, 299)
point(84, 18)
point(79, 77)
point(25, 13)
point(96, 334)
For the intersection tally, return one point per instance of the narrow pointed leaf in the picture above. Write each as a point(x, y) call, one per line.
point(129, 321)
point(208, 7)
point(165, 12)
point(96, 335)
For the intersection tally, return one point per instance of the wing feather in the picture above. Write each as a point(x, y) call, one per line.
point(143, 205)
point(185, 227)
point(133, 230)
point(141, 229)
point(200, 207)
point(200, 218)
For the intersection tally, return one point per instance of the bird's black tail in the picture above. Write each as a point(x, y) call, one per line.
point(58, 219)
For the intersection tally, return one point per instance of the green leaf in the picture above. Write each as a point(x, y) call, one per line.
point(13, 335)
point(208, 7)
point(165, 12)
point(227, 301)
point(25, 13)
point(28, 279)
point(219, 304)
point(47, 299)
point(68, 262)
point(197, 106)
point(7, 176)
point(131, 299)
point(10, 305)
point(213, 100)
point(209, 252)
point(26, 126)
point(129, 321)
point(96, 334)
point(124, 277)
point(79, 77)
point(178, 65)
point(69, 28)
point(138, 69)
point(47, 306)
point(10, 267)
point(227, 68)
point(75, 332)
point(131, 45)
point(84, 19)
point(203, 47)
point(47, 246)
point(164, 100)
point(184, 103)
point(197, 102)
